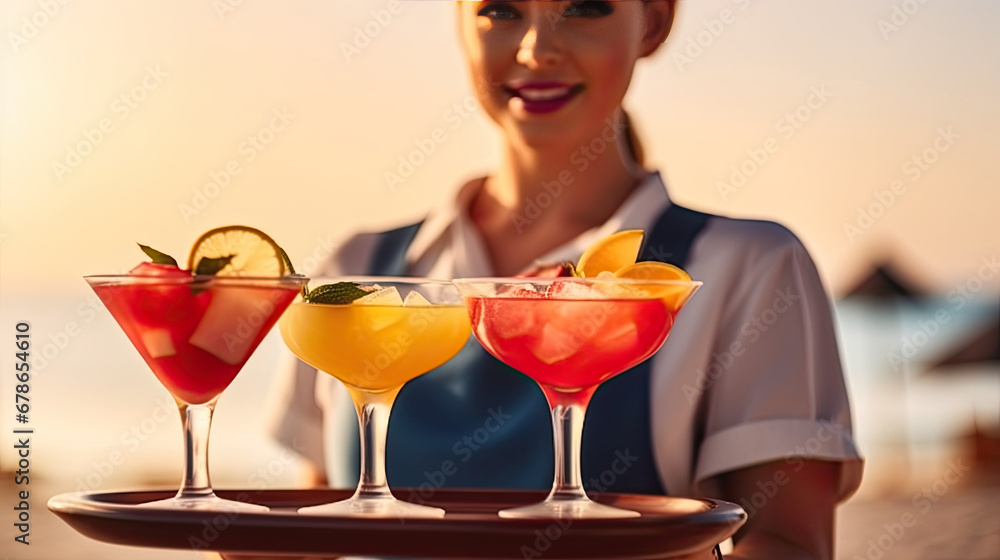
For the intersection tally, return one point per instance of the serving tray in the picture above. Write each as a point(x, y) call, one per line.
point(668, 526)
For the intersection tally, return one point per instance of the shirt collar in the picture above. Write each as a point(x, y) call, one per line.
point(639, 211)
point(441, 220)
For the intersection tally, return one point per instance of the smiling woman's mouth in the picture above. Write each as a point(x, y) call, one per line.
point(544, 97)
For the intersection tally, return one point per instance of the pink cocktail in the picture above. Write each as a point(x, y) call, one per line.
point(570, 335)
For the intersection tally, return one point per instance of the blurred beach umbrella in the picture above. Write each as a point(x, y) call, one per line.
point(982, 347)
point(885, 282)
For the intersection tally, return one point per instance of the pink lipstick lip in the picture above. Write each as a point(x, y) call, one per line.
point(548, 105)
point(550, 84)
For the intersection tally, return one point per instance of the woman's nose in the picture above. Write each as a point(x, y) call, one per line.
point(540, 47)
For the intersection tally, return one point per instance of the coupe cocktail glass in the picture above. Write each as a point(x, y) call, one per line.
point(570, 335)
point(374, 349)
point(196, 333)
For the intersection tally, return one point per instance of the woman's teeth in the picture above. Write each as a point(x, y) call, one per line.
point(544, 94)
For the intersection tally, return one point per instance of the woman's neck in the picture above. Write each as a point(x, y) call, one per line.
point(543, 197)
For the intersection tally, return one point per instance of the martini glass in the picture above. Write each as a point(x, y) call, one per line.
point(374, 346)
point(195, 333)
point(570, 335)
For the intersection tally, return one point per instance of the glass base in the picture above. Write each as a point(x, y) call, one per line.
point(205, 503)
point(580, 508)
point(374, 507)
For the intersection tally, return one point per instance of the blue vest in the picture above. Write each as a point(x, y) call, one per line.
point(475, 422)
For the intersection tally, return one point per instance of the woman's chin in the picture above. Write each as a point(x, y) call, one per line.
point(547, 134)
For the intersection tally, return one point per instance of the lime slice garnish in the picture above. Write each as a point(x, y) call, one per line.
point(238, 251)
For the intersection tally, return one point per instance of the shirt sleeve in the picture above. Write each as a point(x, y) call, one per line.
point(295, 416)
point(777, 392)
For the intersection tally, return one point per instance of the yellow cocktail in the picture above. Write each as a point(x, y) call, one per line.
point(375, 347)
point(374, 335)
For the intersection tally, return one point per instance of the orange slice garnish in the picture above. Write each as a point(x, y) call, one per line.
point(611, 253)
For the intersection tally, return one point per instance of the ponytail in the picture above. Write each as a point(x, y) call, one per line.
point(632, 140)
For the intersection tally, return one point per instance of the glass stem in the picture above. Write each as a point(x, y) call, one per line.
point(373, 420)
point(197, 421)
point(567, 433)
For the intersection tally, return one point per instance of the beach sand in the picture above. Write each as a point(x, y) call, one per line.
point(964, 524)
point(52, 539)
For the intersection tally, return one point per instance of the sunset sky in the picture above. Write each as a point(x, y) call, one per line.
point(181, 85)
point(152, 121)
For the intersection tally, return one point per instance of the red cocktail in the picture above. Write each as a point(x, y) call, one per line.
point(195, 332)
point(570, 346)
point(570, 335)
point(194, 337)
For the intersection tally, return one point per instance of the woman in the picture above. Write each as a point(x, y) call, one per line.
point(746, 402)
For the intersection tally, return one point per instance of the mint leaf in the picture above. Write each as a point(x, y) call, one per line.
point(158, 257)
point(211, 266)
point(340, 293)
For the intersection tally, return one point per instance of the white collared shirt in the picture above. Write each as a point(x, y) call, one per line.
point(750, 373)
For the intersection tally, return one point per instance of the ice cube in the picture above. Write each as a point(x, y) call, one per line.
point(414, 298)
point(555, 345)
point(385, 296)
point(515, 319)
point(583, 318)
point(517, 291)
point(622, 339)
point(478, 289)
point(158, 343)
point(382, 312)
point(573, 290)
point(232, 323)
point(611, 288)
